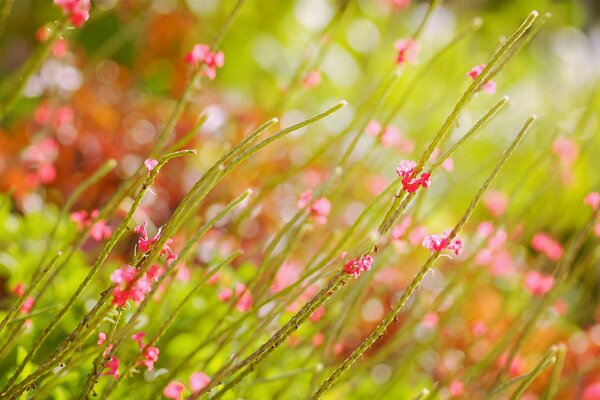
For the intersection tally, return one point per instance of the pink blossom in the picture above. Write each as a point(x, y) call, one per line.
point(317, 314)
point(478, 328)
point(27, 305)
point(593, 200)
point(408, 51)
point(485, 229)
point(597, 229)
point(183, 273)
point(125, 274)
point(320, 209)
point(225, 294)
point(113, 367)
point(591, 392)
point(101, 338)
point(516, 365)
point(150, 164)
point(495, 202)
point(304, 198)
point(410, 183)
point(543, 243)
point(400, 230)
point(448, 165)
point(198, 381)
point(312, 79)
point(18, 289)
point(456, 388)
point(77, 10)
point(440, 243)
point(60, 48)
point(287, 275)
point(244, 303)
point(373, 128)
point(139, 337)
point(489, 86)
point(100, 231)
point(145, 243)
point(416, 236)
point(399, 4)
point(318, 339)
point(150, 357)
point(355, 267)
point(538, 284)
point(430, 320)
point(201, 55)
point(566, 150)
point(173, 390)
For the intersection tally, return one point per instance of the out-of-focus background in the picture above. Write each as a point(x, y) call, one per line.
point(108, 89)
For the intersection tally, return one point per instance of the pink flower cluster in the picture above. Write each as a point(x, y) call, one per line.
point(60, 117)
point(538, 284)
point(40, 157)
point(150, 164)
point(319, 209)
point(198, 381)
point(150, 353)
point(19, 290)
point(440, 243)
point(408, 51)
point(131, 286)
point(495, 202)
point(592, 200)
point(390, 137)
point(359, 265)
point(146, 243)
point(202, 55)
point(489, 86)
point(77, 10)
point(99, 230)
point(410, 183)
point(312, 79)
point(493, 255)
point(543, 243)
point(244, 297)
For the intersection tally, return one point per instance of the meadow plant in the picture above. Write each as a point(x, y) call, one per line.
point(199, 201)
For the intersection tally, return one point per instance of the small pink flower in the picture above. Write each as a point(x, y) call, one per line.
point(440, 243)
point(410, 183)
point(317, 314)
point(77, 10)
point(113, 367)
point(591, 392)
point(100, 231)
point(225, 294)
point(399, 231)
point(304, 198)
point(244, 303)
point(516, 366)
point(27, 305)
point(150, 357)
point(198, 381)
point(538, 284)
point(60, 48)
point(318, 339)
point(478, 329)
point(144, 242)
point(125, 274)
point(201, 55)
point(485, 229)
point(101, 338)
point(399, 4)
point(18, 289)
point(597, 229)
point(456, 388)
point(150, 164)
point(320, 209)
point(173, 390)
point(356, 267)
point(373, 128)
point(593, 200)
point(139, 337)
point(448, 165)
point(543, 243)
point(408, 51)
point(566, 150)
point(488, 86)
point(495, 202)
point(416, 236)
point(430, 320)
point(312, 79)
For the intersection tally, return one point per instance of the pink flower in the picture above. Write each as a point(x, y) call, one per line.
point(18, 289)
point(593, 200)
point(139, 337)
point(591, 392)
point(304, 198)
point(60, 48)
point(145, 243)
point(317, 314)
point(100, 231)
point(113, 367)
point(392, 137)
point(399, 4)
point(150, 164)
point(538, 284)
point(440, 243)
point(312, 79)
point(566, 150)
point(400, 230)
point(355, 267)
point(151, 356)
point(225, 294)
point(456, 388)
point(198, 381)
point(77, 10)
point(201, 55)
point(516, 366)
point(597, 229)
point(125, 274)
point(495, 202)
point(373, 128)
point(478, 329)
point(173, 390)
point(27, 305)
point(320, 209)
point(408, 51)
point(430, 320)
point(101, 338)
point(416, 236)
point(485, 229)
point(543, 243)
point(410, 184)
point(318, 339)
point(287, 275)
point(80, 218)
point(448, 165)
point(488, 86)
point(244, 303)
